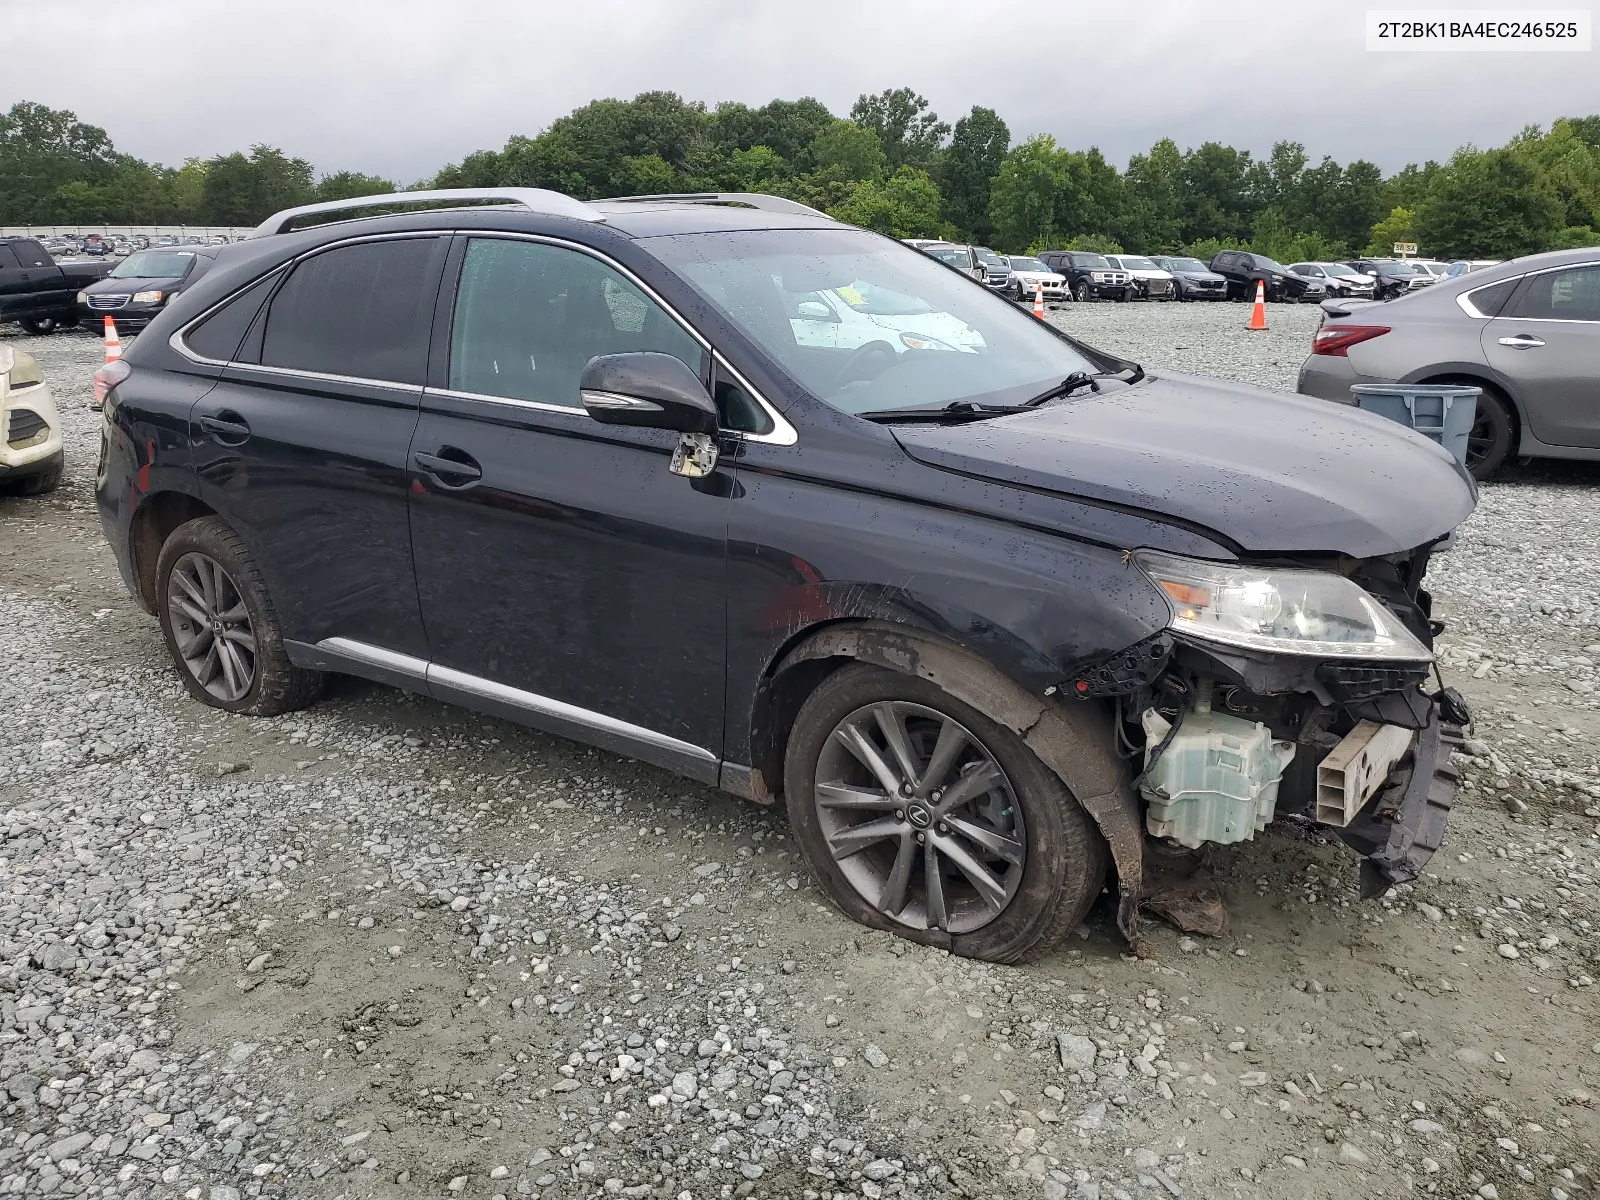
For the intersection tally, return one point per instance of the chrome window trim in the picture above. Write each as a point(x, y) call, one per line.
point(1467, 307)
point(782, 432)
point(413, 389)
point(432, 673)
point(514, 401)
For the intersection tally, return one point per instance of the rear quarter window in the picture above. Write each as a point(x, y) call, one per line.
point(218, 336)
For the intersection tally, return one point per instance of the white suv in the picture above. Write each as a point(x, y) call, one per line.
point(30, 452)
point(1153, 282)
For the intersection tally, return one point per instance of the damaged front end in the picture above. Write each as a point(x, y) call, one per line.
point(1286, 687)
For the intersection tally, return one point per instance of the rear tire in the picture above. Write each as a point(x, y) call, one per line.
point(44, 326)
point(1493, 435)
point(235, 617)
point(1063, 858)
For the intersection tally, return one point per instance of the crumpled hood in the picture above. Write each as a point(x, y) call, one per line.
point(1269, 471)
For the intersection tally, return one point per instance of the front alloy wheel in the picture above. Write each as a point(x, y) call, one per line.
point(211, 627)
point(920, 817)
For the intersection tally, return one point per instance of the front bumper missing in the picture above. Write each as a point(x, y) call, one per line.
point(1403, 827)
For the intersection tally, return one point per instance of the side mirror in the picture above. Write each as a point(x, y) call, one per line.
point(816, 310)
point(651, 390)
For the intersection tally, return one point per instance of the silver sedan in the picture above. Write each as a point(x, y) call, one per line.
point(1526, 331)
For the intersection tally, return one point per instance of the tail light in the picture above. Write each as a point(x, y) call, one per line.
point(1337, 339)
point(106, 378)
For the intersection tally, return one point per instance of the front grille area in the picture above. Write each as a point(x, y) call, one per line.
point(108, 302)
point(24, 426)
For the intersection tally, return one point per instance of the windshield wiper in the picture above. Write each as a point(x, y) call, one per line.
point(1066, 387)
point(956, 410)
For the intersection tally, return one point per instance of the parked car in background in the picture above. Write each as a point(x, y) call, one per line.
point(30, 449)
point(1391, 277)
point(953, 255)
point(1029, 274)
point(95, 246)
point(996, 269)
point(1154, 282)
point(1244, 269)
point(141, 242)
point(1463, 266)
point(930, 602)
point(1527, 332)
point(1337, 279)
point(1191, 278)
point(1432, 266)
point(1089, 276)
point(142, 284)
point(37, 292)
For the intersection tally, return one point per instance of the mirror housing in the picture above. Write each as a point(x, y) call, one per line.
point(647, 389)
point(816, 310)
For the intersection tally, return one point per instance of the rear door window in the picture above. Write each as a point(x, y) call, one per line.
point(8, 261)
point(362, 311)
point(529, 317)
point(1572, 295)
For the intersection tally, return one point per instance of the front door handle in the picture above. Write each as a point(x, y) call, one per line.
point(451, 467)
point(227, 427)
point(1522, 341)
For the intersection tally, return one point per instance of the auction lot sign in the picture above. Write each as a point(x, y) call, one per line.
point(1468, 29)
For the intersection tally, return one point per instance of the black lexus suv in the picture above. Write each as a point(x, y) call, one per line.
point(789, 508)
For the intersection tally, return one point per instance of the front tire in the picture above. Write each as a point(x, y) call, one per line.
point(920, 816)
point(1080, 291)
point(220, 625)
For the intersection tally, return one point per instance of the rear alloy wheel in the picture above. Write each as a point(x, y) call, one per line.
point(220, 625)
point(1493, 432)
point(920, 816)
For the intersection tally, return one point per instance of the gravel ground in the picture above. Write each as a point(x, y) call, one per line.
point(384, 948)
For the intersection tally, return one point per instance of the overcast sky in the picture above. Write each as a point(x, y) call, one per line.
point(400, 87)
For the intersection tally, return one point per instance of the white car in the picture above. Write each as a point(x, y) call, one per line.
point(1153, 282)
point(1027, 274)
point(851, 316)
point(31, 457)
point(1432, 266)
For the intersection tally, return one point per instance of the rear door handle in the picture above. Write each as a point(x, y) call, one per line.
point(227, 427)
point(1522, 341)
point(451, 467)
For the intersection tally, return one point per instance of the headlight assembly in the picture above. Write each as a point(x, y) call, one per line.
point(147, 297)
point(1312, 613)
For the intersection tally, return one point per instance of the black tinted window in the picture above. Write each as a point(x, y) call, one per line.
point(1490, 300)
point(362, 310)
point(32, 254)
point(1562, 296)
point(529, 317)
point(219, 335)
point(8, 261)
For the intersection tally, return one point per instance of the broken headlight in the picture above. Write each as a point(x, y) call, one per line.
point(1313, 613)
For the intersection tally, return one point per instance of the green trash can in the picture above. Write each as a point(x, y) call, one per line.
point(1444, 412)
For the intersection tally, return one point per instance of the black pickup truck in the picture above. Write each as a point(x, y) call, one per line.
point(35, 292)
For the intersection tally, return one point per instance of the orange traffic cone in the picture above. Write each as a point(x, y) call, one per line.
point(1038, 300)
point(1258, 311)
point(113, 342)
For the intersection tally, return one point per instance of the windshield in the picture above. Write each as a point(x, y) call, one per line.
point(1266, 264)
point(1089, 260)
point(1340, 271)
point(1021, 262)
point(955, 256)
point(1189, 264)
point(867, 325)
point(1134, 263)
point(990, 259)
point(1397, 269)
point(153, 264)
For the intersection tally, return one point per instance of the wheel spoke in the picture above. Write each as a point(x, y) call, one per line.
point(853, 740)
point(209, 666)
point(230, 669)
point(193, 612)
point(982, 778)
point(843, 796)
point(952, 740)
point(990, 890)
point(992, 840)
point(932, 870)
point(893, 897)
point(208, 585)
point(192, 644)
point(893, 726)
point(191, 587)
point(240, 637)
point(869, 833)
point(237, 613)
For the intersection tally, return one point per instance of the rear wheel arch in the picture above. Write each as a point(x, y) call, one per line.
point(153, 522)
point(1074, 740)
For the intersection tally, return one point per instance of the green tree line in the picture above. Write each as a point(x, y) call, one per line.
point(892, 165)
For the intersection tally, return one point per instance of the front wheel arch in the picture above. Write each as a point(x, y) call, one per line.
point(1075, 740)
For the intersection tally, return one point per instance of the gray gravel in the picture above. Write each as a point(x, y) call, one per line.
point(386, 948)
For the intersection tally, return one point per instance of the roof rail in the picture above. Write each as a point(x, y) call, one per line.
point(732, 199)
point(533, 199)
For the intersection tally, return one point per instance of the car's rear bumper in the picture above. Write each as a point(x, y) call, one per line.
point(1328, 377)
